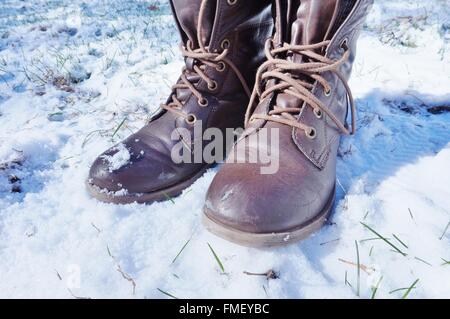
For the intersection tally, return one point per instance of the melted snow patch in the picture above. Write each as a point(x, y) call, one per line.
point(119, 159)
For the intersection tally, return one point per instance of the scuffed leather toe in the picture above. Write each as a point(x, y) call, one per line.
point(261, 203)
point(133, 166)
point(101, 175)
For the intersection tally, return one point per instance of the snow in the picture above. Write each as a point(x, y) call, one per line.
point(120, 158)
point(72, 72)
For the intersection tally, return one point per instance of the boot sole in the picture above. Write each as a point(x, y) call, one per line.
point(144, 198)
point(261, 240)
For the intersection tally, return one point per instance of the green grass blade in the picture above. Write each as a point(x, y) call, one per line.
point(346, 280)
point(217, 258)
point(398, 289)
point(410, 288)
point(400, 241)
point(370, 239)
point(375, 289)
point(166, 293)
point(169, 198)
point(365, 216)
point(424, 261)
point(118, 128)
point(383, 238)
point(445, 230)
point(410, 213)
point(182, 248)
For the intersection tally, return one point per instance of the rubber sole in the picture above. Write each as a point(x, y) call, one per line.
point(144, 198)
point(261, 240)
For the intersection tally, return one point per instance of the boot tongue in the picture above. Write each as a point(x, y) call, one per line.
point(187, 13)
point(311, 21)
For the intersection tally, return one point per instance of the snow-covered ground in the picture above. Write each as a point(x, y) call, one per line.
point(78, 76)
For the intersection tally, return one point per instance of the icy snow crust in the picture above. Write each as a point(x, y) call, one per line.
point(76, 77)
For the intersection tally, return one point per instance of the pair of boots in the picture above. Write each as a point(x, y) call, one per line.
point(297, 56)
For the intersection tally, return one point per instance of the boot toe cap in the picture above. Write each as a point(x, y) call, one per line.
point(101, 176)
point(260, 203)
point(131, 166)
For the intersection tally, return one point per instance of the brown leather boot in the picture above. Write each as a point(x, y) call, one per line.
point(301, 92)
point(223, 46)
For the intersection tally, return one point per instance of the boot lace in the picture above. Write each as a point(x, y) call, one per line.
point(292, 78)
point(203, 58)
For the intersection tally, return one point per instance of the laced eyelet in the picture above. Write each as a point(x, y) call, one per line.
point(231, 2)
point(312, 133)
point(318, 113)
point(203, 102)
point(212, 86)
point(344, 45)
point(225, 44)
point(327, 92)
point(191, 119)
point(221, 66)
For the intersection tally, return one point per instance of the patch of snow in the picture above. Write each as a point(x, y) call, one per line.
point(119, 159)
point(121, 192)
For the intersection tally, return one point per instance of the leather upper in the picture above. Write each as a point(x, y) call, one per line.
point(245, 26)
point(305, 182)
